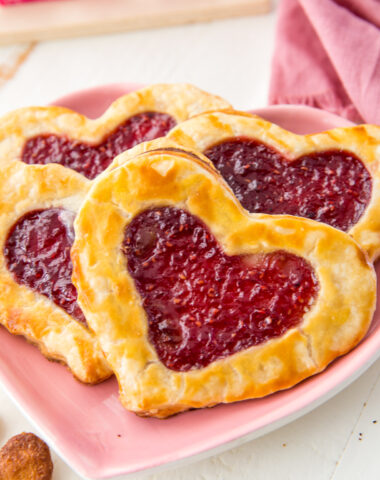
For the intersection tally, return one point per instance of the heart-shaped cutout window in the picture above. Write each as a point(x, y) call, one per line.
point(203, 305)
point(37, 252)
point(332, 186)
point(91, 160)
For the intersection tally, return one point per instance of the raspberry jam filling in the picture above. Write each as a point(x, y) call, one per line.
point(91, 160)
point(37, 252)
point(333, 187)
point(203, 305)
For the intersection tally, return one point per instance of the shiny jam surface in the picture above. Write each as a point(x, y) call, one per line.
point(91, 160)
point(37, 252)
point(333, 187)
point(203, 305)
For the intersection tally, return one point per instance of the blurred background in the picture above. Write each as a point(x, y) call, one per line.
point(228, 57)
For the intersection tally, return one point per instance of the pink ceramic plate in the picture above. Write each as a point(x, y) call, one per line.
point(89, 428)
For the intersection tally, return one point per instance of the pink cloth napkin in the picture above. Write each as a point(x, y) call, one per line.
point(327, 55)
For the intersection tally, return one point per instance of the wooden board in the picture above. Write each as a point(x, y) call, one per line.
point(67, 18)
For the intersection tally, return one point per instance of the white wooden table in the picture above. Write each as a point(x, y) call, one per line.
point(341, 439)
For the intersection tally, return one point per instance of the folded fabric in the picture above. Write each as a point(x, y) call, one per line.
point(327, 55)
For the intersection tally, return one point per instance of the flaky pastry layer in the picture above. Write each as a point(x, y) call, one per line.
point(25, 188)
point(336, 322)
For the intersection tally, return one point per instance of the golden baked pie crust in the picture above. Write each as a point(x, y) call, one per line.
point(24, 188)
point(336, 322)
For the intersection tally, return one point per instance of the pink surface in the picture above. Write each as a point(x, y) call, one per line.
point(327, 55)
point(15, 2)
point(88, 426)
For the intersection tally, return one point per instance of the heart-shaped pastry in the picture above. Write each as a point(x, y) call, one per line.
point(196, 302)
point(44, 135)
point(37, 297)
point(332, 177)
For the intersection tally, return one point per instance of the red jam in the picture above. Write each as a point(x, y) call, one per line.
point(91, 160)
point(203, 305)
point(37, 252)
point(333, 187)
